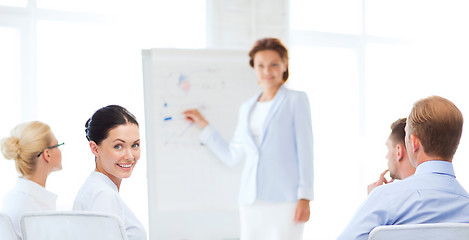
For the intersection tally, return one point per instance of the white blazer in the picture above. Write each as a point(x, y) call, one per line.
point(280, 169)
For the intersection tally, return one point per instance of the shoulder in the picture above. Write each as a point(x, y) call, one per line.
point(295, 94)
point(94, 198)
point(17, 198)
point(395, 189)
point(96, 188)
point(297, 100)
point(18, 202)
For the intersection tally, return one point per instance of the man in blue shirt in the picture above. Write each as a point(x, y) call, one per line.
point(399, 165)
point(432, 194)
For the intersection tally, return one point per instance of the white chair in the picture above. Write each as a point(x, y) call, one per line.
point(428, 231)
point(7, 231)
point(71, 225)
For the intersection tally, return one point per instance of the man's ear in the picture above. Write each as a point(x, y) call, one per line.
point(94, 148)
point(414, 143)
point(400, 152)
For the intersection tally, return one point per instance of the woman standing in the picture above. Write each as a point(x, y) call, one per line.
point(114, 139)
point(35, 150)
point(274, 135)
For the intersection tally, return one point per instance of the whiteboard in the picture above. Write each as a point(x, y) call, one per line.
point(192, 195)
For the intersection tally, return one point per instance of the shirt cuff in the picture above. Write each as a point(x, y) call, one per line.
point(304, 193)
point(206, 133)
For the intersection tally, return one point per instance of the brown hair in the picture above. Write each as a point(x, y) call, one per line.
point(397, 135)
point(25, 142)
point(270, 44)
point(438, 123)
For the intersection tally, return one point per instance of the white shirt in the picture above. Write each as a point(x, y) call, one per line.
point(100, 194)
point(257, 119)
point(27, 196)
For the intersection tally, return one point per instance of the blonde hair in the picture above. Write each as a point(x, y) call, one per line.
point(26, 141)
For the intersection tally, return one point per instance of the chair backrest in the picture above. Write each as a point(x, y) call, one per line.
point(7, 231)
point(433, 231)
point(71, 225)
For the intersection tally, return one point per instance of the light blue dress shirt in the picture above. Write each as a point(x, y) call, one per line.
point(280, 167)
point(431, 195)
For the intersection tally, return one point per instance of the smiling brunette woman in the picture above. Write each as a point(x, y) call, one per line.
point(114, 139)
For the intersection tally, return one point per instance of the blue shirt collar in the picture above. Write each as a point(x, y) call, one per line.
point(435, 166)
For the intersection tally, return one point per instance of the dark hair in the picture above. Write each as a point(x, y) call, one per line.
point(398, 131)
point(104, 120)
point(270, 44)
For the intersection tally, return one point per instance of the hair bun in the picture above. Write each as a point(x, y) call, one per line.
point(11, 148)
point(87, 128)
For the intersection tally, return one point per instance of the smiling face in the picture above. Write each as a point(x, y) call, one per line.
point(117, 154)
point(269, 68)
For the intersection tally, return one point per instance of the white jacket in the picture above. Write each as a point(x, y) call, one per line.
point(281, 168)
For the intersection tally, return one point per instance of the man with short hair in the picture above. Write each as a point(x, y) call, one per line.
point(432, 194)
point(399, 166)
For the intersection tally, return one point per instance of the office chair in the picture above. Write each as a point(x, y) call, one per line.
point(71, 225)
point(428, 231)
point(7, 231)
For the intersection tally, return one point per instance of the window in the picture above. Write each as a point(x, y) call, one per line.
point(13, 3)
point(10, 77)
point(337, 16)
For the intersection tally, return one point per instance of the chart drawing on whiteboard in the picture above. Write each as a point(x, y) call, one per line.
point(185, 180)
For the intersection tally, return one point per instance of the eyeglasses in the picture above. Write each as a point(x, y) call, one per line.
point(58, 145)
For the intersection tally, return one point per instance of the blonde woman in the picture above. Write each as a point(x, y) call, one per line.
point(34, 149)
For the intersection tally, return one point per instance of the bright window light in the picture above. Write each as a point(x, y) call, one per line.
point(332, 16)
point(10, 97)
point(13, 3)
point(88, 6)
point(335, 107)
